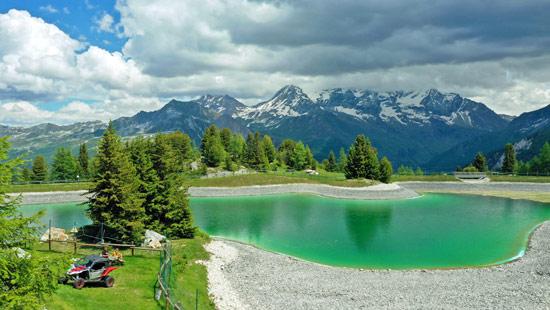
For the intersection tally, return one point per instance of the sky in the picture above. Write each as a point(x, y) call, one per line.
point(68, 61)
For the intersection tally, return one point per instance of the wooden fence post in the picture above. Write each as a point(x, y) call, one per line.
point(132, 247)
point(50, 236)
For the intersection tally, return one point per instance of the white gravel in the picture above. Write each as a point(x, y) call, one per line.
point(376, 192)
point(51, 197)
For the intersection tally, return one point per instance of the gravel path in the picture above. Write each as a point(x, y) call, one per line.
point(376, 192)
point(51, 197)
point(483, 186)
point(264, 280)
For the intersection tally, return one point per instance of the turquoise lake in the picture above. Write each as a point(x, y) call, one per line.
point(433, 231)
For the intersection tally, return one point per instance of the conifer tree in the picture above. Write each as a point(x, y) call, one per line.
point(25, 279)
point(331, 163)
point(286, 150)
point(114, 198)
point(169, 212)
point(299, 158)
point(342, 160)
point(372, 165)
point(63, 165)
point(386, 170)
point(352, 163)
point(26, 175)
point(225, 137)
point(479, 162)
point(256, 155)
point(39, 169)
point(509, 159)
point(236, 147)
point(212, 148)
point(544, 158)
point(182, 146)
point(269, 149)
point(83, 160)
point(309, 158)
point(362, 161)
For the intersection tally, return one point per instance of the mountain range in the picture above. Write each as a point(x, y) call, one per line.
point(430, 129)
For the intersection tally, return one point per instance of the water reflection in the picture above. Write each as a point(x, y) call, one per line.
point(364, 222)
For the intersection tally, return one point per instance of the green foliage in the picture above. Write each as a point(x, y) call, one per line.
point(386, 170)
point(458, 169)
point(479, 162)
point(114, 198)
point(509, 159)
point(405, 170)
point(212, 148)
point(299, 157)
point(286, 151)
point(331, 162)
point(342, 160)
point(255, 154)
point(269, 149)
point(39, 169)
point(362, 161)
point(225, 137)
point(182, 146)
point(26, 175)
point(236, 146)
point(418, 171)
point(471, 169)
point(309, 158)
point(314, 164)
point(25, 278)
point(64, 165)
point(84, 161)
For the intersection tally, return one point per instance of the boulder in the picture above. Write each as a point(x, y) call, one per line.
point(58, 234)
point(152, 239)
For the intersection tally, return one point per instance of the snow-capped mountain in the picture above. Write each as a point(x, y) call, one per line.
point(221, 104)
point(409, 127)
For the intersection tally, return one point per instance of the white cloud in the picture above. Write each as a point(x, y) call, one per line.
point(22, 113)
point(49, 8)
point(66, 10)
point(105, 23)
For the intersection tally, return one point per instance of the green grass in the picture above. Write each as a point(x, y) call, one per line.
point(271, 178)
point(135, 282)
point(424, 178)
point(51, 187)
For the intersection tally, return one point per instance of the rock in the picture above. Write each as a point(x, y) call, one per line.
point(58, 234)
point(152, 239)
point(21, 253)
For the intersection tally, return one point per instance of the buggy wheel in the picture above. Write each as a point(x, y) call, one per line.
point(109, 281)
point(78, 283)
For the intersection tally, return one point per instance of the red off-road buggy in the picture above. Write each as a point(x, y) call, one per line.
point(92, 268)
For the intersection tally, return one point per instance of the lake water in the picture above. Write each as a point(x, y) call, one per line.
point(433, 231)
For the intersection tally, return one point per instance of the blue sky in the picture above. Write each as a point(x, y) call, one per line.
point(69, 61)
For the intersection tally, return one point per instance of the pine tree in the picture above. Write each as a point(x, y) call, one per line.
point(342, 160)
point(352, 162)
point(25, 280)
point(26, 175)
point(509, 159)
point(212, 148)
point(256, 155)
point(182, 145)
point(114, 198)
point(418, 171)
point(309, 158)
point(362, 161)
point(386, 170)
point(372, 165)
point(225, 137)
point(479, 162)
point(544, 158)
point(236, 147)
point(331, 163)
point(269, 149)
point(169, 212)
point(63, 165)
point(83, 161)
point(286, 150)
point(39, 169)
point(299, 158)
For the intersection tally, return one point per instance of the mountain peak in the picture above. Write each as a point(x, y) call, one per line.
point(223, 104)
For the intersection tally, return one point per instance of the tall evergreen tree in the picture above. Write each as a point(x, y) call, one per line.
point(114, 198)
point(182, 145)
point(83, 161)
point(331, 163)
point(26, 175)
point(544, 158)
point(286, 150)
point(169, 211)
point(236, 147)
point(479, 162)
point(256, 155)
point(299, 158)
point(212, 148)
point(372, 165)
point(225, 137)
point(342, 158)
point(25, 280)
point(39, 169)
point(509, 159)
point(362, 161)
point(386, 170)
point(309, 158)
point(63, 165)
point(269, 149)
point(353, 161)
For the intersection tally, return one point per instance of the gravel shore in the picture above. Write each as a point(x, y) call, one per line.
point(258, 279)
point(485, 186)
point(51, 197)
point(375, 192)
